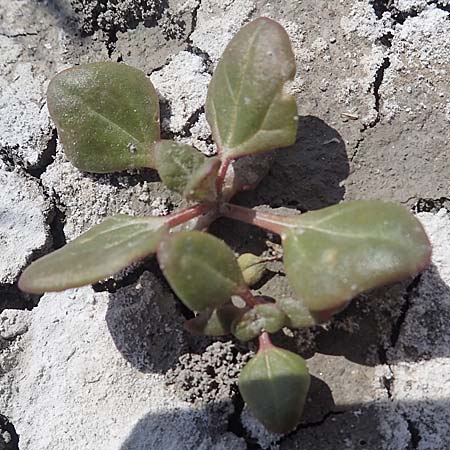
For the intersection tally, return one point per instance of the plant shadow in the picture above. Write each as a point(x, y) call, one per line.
point(179, 429)
point(387, 325)
point(63, 15)
point(145, 321)
point(309, 174)
point(365, 426)
point(306, 176)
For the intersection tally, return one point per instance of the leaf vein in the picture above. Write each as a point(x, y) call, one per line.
point(109, 121)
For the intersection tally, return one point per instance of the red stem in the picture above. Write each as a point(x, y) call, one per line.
point(248, 297)
point(264, 341)
point(184, 215)
point(222, 173)
point(275, 223)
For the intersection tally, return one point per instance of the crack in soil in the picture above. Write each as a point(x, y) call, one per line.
point(380, 7)
point(415, 434)
point(398, 324)
point(194, 49)
point(395, 334)
point(432, 204)
point(235, 423)
point(194, 20)
point(111, 42)
point(386, 6)
point(16, 35)
point(445, 8)
point(47, 157)
point(359, 141)
point(9, 439)
point(56, 217)
point(192, 120)
point(36, 170)
point(379, 77)
point(7, 159)
point(56, 225)
point(206, 58)
point(11, 297)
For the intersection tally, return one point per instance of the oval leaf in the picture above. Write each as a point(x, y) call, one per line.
point(336, 253)
point(246, 107)
point(264, 317)
point(185, 170)
point(214, 323)
point(107, 115)
point(95, 255)
point(200, 268)
point(274, 384)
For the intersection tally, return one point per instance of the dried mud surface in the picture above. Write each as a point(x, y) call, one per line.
point(110, 366)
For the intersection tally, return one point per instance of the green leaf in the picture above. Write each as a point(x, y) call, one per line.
point(107, 115)
point(185, 170)
point(95, 255)
point(247, 107)
point(216, 322)
point(264, 317)
point(274, 384)
point(336, 253)
point(298, 314)
point(200, 268)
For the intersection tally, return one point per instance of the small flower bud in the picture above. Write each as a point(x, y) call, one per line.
point(253, 268)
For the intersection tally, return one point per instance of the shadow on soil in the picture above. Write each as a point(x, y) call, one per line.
point(109, 16)
point(305, 176)
point(391, 323)
point(9, 440)
point(387, 325)
point(146, 324)
point(359, 426)
point(62, 14)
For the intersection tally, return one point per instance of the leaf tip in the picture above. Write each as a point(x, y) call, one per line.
point(28, 283)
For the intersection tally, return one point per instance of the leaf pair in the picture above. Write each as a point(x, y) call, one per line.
point(107, 114)
point(244, 323)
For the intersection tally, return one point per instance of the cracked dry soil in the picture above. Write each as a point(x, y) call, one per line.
point(110, 366)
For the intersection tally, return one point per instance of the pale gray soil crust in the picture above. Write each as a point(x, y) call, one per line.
point(110, 367)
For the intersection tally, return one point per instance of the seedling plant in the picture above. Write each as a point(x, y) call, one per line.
point(107, 116)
